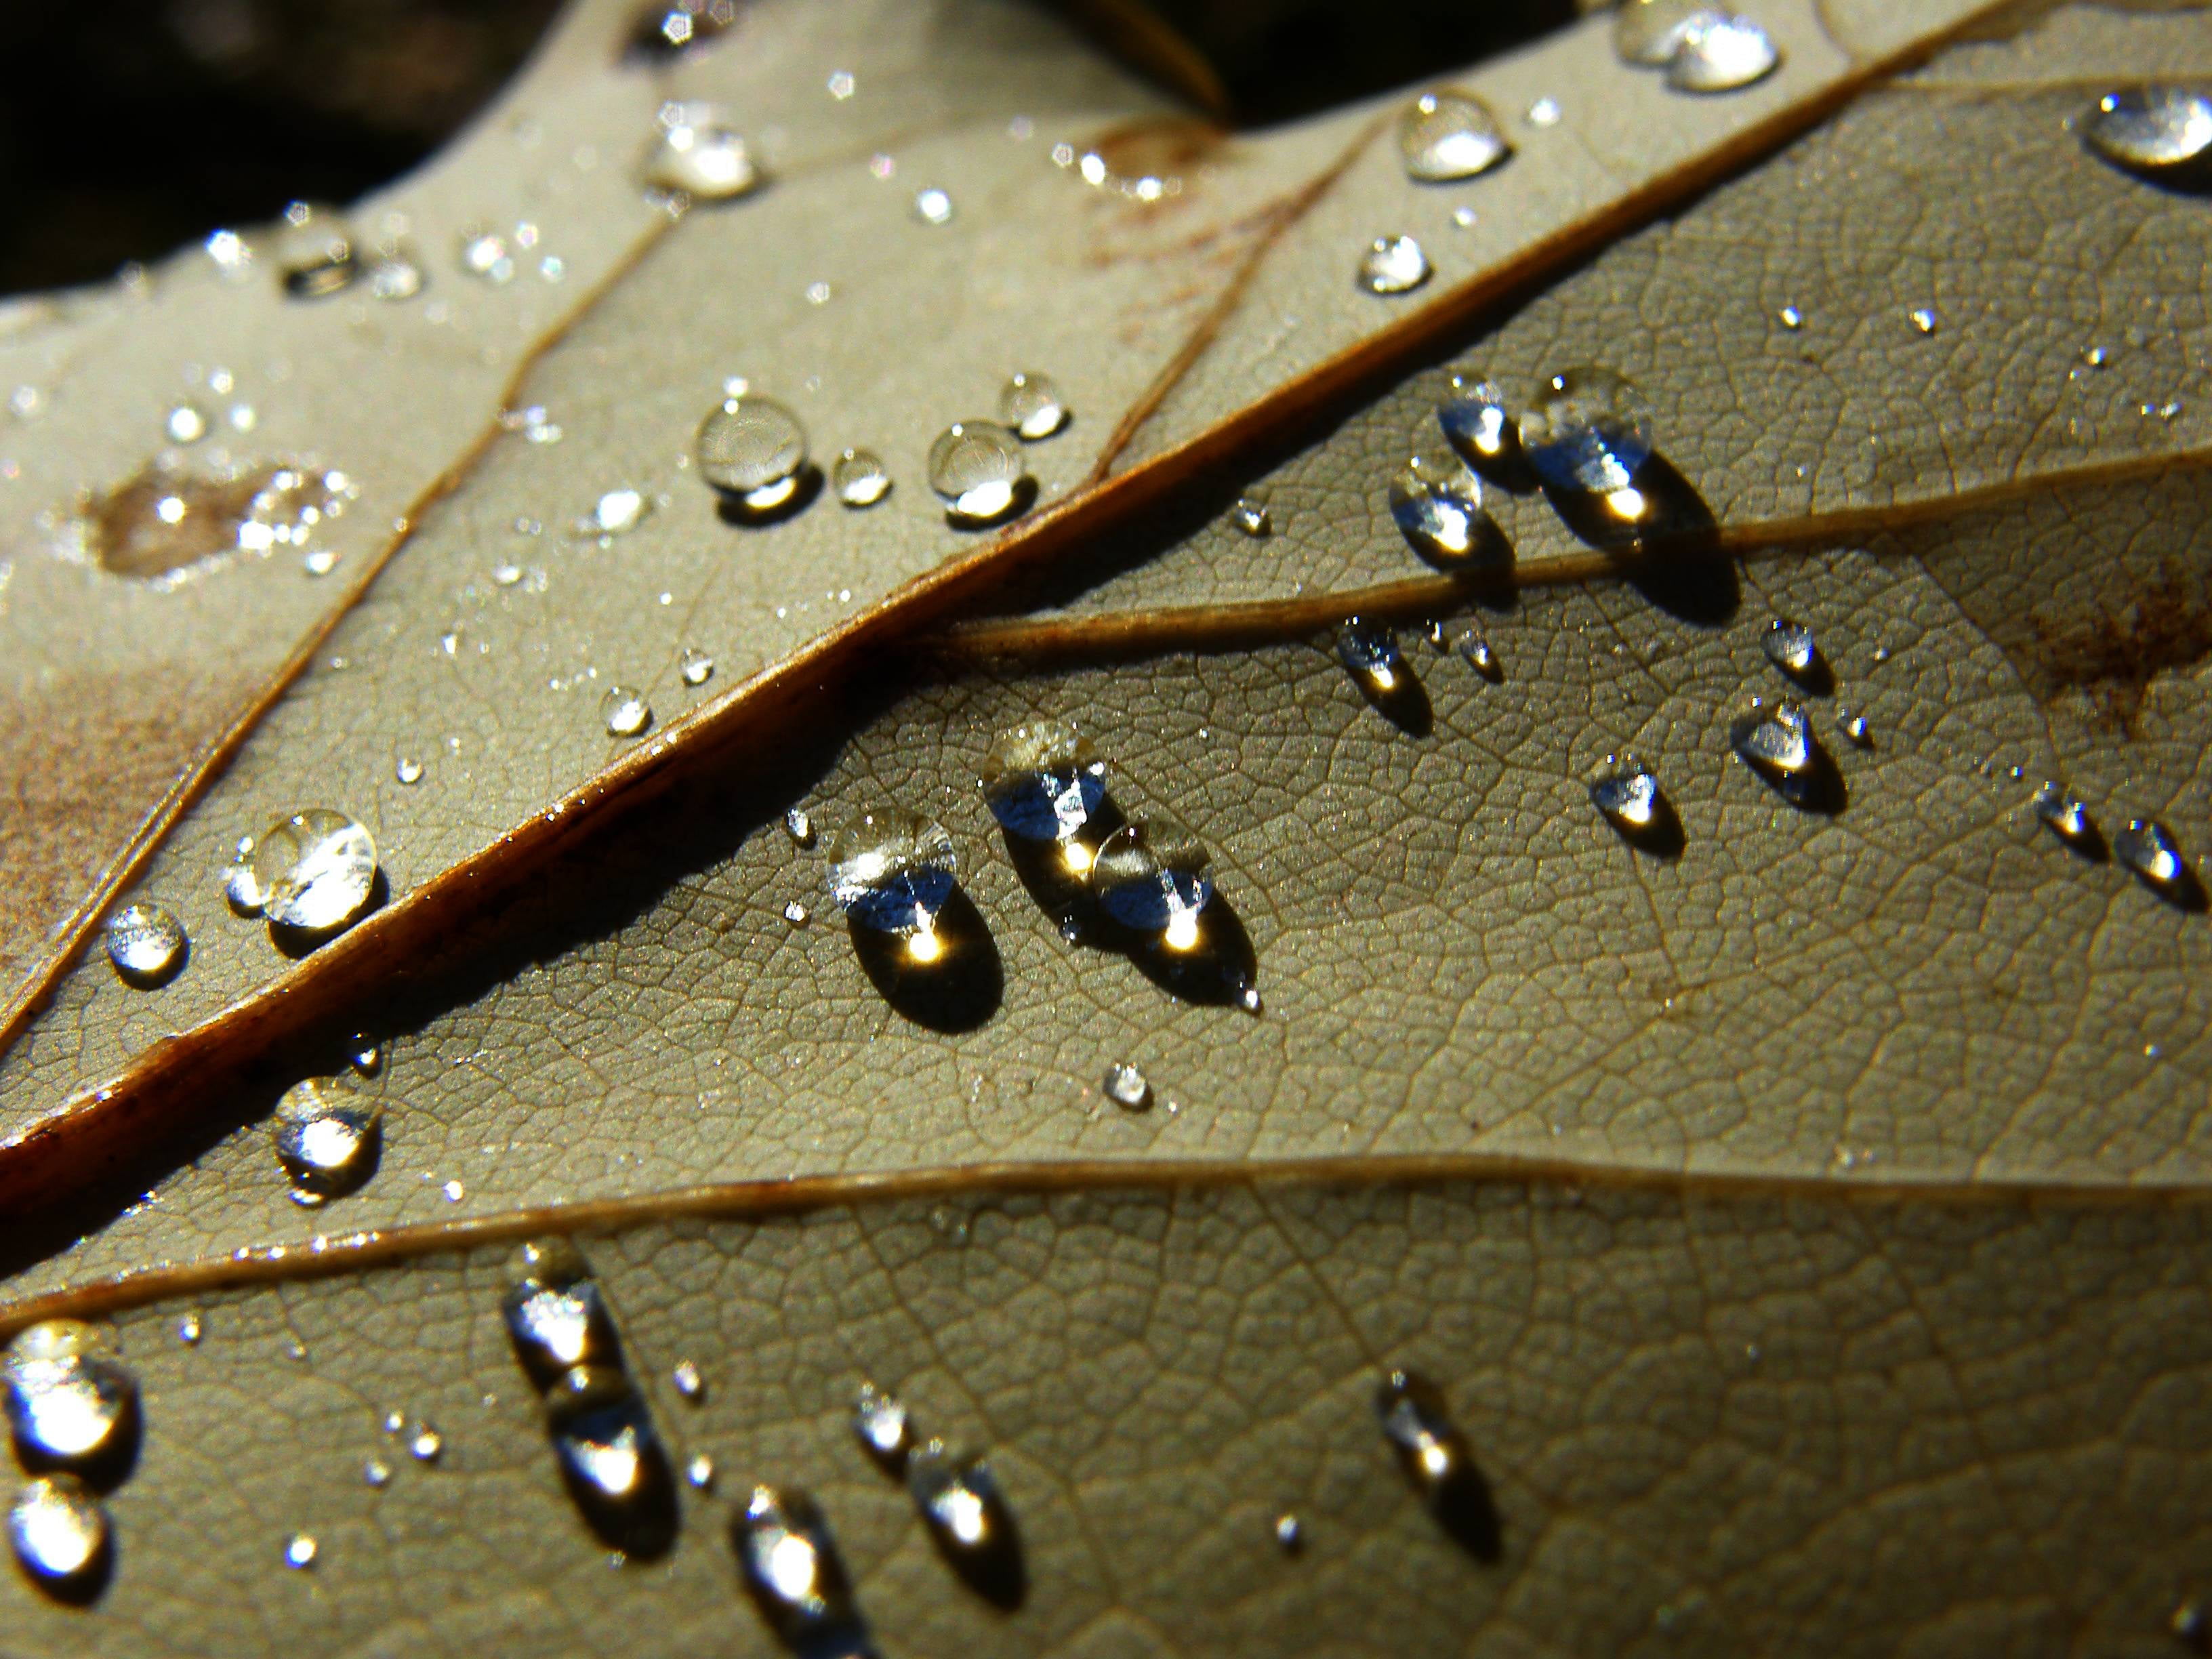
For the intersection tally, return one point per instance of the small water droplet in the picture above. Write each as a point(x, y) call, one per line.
point(1435, 1460)
point(2151, 852)
point(625, 711)
point(977, 468)
point(700, 1472)
point(1545, 113)
point(59, 1529)
point(1588, 430)
point(932, 206)
point(1779, 747)
point(1393, 264)
point(615, 513)
point(454, 1192)
point(1044, 782)
point(188, 1329)
point(663, 30)
point(1474, 418)
point(1127, 1086)
point(699, 157)
point(687, 1380)
point(1289, 1534)
point(187, 424)
point(395, 274)
point(792, 1569)
point(69, 1402)
point(800, 826)
point(407, 770)
point(1853, 725)
point(1443, 135)
point(1790, 317)
point(968, 1519)
point(2155, 130)
point(426, 1446)
point(1627, 792)
point(879, 1419)
point(753, 450)
point(316, 871)
point(1923, 318)
point(1479, 656)
point(892, 871)
point(377, 1472)
point(797, 913)
point(483, 255)
point(315, 252)
point(328, 1136)
point(1252, 518)
point(146, 944)
point(1152, 875)
point(1031, 404)
point(1790, 647)
point(1369, 651)
point(2064, 816)
point(860, 478)
point(694, 666)
point(1438, 509)
point(299, 1551)
point(1721, 53)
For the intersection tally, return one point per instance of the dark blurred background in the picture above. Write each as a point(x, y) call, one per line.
point(131, 126)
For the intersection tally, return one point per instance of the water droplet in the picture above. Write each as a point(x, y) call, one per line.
point(1127, 1086)
point(1474, 418)
point(1252, 518)
point(610, 1453)
point(1031, 404)
point(556, 1316)
point(1044, 782)
point(377, 1472)
point(1790, 647)
point(1854, 726)
point(1481, 658)
point(797, 913)
point(792, 1568)
point(892, 871)
point(687, 1380)
point(1393, 264)
point(1152, 875)
point(59, 1529)
point(187, 424)
point(1545, 113)
point(960, 1503)
point(2147, 848)
point(146, 944)
point(1435, 1460)
point(188, 1329)
point(300, 1552)
point(1289, 1534)
point(316, 871)
point(1721, 53)
point(1443, 135)
point(694, 666)
point(2066, 817)
point(699, 158)
point(1438, 509)
point(1790, 317)
point(663, 30)
point(617, 513)
point(483, 255)
point(700, 1472)
point(879, 1419)
point(1650, 32)
point(315, 252)
point(1588, 430)
point(1779, 747)
point(68, 1403)
point(426, 1446)
point(1627, 791)
point(754, 451)
point(625, 711)
point(932, 206)
point(328, 1136)
point(1370, 653)
point(1923, 318)
point(2154, 129)
point(394, 274)
point(977, 468)
point(800, 826)
point(407, 770)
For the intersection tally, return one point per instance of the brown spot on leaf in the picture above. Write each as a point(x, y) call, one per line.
point(162, 519)
point(1163, 147)
point(2112, 653)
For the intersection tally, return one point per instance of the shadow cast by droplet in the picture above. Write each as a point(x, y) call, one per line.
point(2090, 846)
point(1463, 1505)
point(1668, 550)
point(1024, 497)
point(1404, 701)
point(958, 989)
point(294, 943)
point(1815, 679)
point(106, 1470)
point(997, 1569)
point(1661, 838)
point(1063, 893)
point(2192, 180)
point(729, 506)
point(80, 1589)
point(1820, 788)
point(2186, 892)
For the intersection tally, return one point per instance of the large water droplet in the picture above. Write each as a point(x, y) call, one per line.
point(699, 157)
point(316, 871)
point(1044, 782)
point(1627, 791)
point(791, 1566)
point(2151, 852)
point(1031, 404)
point(2065, 816)
point(2154, 129)
point(968, 1522)
point(68, 1403)
point(146, 944)
point(1588, 430)
point(1438, 509)
point(315, 252)
point(1721, 53)
point(328, 1136)
point(556, 1316)
point(754, 451)
point(879, 1419)
point(977, 467)
point(1435, 1457)
point(1444, 136)
point(1778, 745)
point(892, 871)
point(1393, 264)
point(1127, 1086)
point(1152, 875)
point(860, 478)
point(610, 1455)
point(59, 1530)
point(624, 711)
point(1473, 416)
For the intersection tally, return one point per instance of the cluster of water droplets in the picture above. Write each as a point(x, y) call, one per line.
point(2145, 847)
point(73, 1415)
point(1702, 48)
point(957, 1499)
